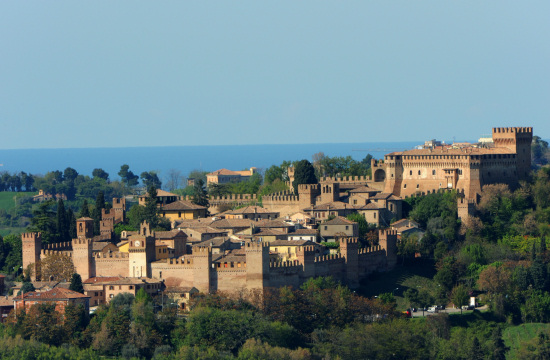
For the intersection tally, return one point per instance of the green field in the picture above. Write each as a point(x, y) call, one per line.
point(8, 198)
point(515, 337)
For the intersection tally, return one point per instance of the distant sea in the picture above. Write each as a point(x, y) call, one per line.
point(182, 158)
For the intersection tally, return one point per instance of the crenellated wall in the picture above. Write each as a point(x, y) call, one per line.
point(111, 264)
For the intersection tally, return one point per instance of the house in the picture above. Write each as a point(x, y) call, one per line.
point(182, 209)
point(339, 226)
point(335, 208)
point(178, 296)
point(102, 289)
point(252, 213)
point(163, 197)
point(6, 306)
point(224, 176)
point(61, 297)
point(407, 227)
point(287, 250)
point(204, 233)
point(303, 234)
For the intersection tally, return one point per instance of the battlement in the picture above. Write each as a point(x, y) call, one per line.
point(201, 250)
point(81, 241)
point(387, 232)
point(370, 250)
point(345, 179)
point(464, 201)
point(31, 236)
point(46, 253)
point(506, 130)
point(58, 246)
point(308, 249)
point(329, 258)
point(347, 240)
point(290, 264)
point(255, 245)
point(308, 187)
point(114, 255)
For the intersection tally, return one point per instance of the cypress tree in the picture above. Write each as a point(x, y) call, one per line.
point(62, 226)
point(85, 210)
point(76, 283)
point(199, 195)
point(303, 174)
point(71, 219)
point(96, 214)
point(151, 208)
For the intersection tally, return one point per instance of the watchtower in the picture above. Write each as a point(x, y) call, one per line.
point(306, 257)
point(307, 194)
point(257, 265)
point(141, 251)
point(349, 249)
point(82, 257)
point(393, 164)
point(85, 228)
point(465, 207)
point(32, 246)
point(330, 192)
point(517, 139)
point(388, 241)
point(202, 265)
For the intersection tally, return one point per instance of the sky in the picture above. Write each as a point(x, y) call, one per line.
point(120, 73)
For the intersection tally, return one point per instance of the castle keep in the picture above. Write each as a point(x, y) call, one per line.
point(465, 168)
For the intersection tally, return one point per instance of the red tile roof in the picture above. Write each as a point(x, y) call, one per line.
point(54, 294)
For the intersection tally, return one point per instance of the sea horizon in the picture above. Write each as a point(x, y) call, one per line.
point(184, 158)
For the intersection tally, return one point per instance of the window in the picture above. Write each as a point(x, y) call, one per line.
point(111, 296)
point(96, 294)
point(411, 172)
point(374, 215)
point(347, 227)
point(111, 287)
point(405, 186)
point(326, 227)
point(131, 287)
point(433, 172)
point(418, 172)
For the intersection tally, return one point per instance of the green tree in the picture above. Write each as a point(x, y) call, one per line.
point(43, 221)
point(96, 213)
point(100, 174)
point(304, 173)
point(150, 178)
point(200, 196)
point(128, 177)
point(76, 283)
point(459, 296)
point(151, 212)
point(85, 209)
point(62, 223)
point(26, 287)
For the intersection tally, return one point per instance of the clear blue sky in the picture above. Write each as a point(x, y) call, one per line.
point(154, 73)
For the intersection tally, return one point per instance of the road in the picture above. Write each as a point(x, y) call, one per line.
point(447, 311)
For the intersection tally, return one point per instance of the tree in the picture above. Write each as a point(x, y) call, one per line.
point(459, 296)
point(43, 221)
point(127, 176)
point(304, 173)
point(151, 213)
point(26, 287)
point(150, 178)
point(199, 194)
point(96, 213)
point(175, 180)
point(56, 267)
point(62, 223)
point(100, 174)
point(85, 209)
point(76, 283)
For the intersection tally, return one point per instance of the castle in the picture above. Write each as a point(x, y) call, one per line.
point(246, 269)
point(462, 167)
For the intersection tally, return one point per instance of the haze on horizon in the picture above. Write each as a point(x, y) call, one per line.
point(124, 73)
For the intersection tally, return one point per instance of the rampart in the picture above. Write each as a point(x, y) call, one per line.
point(111, 264)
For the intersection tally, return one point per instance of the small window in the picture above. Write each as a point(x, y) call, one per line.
point(411, 172)
point(375, 215)
point(347, 227)
point(111, 287)
point(418, 172)
point(405, 186)
point(433, 172)
point(111, 296)
point(326, 227)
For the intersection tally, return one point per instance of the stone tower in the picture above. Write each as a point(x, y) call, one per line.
point(466, 208)
point(141, 252)
point(393, 165)
point(306, 257)
point(517, 139)
point(349, 249)
point(85, 228)
point(257, 265)
point(82, 257)
point(388, 241)
point(307, 194)
point(202, 266)
point(119, 209)
point(330, 192)
point(32, 246)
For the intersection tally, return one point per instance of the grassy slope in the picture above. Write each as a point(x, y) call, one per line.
point(6, 198)
point(515, 336)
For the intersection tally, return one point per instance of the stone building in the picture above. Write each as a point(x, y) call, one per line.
point(464, 167)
